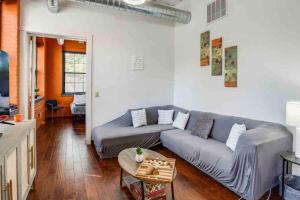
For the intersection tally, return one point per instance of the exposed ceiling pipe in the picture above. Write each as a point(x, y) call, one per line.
point(149, 9)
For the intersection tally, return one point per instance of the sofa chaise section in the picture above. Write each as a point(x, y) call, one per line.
point(119, 134)
point(110, 141)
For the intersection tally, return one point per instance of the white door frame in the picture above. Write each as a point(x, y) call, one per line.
point(25, 73)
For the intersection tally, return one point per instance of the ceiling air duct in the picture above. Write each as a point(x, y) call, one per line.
point(148, 8)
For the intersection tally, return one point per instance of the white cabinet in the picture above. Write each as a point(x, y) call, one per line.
point(2, 186)
point(11, 178)
point(28, 162)
point(32, 155)
point(25, 159)
point(17, 161)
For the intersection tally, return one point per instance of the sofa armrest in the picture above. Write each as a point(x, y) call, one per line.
point(257, 157)
point(262, 136)
point(123, 121)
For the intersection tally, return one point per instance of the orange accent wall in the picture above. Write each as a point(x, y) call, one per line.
point(53, 89)
point(10, 19)
point(75, 46)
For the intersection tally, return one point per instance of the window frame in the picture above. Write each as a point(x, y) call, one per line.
point(63, 93)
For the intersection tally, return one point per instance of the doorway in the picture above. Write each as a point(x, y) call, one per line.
point(60, 82)
point(58, 77)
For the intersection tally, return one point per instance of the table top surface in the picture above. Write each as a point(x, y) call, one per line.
point(127, 161)
point(290, 156)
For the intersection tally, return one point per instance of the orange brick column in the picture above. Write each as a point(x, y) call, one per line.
point(10, 20)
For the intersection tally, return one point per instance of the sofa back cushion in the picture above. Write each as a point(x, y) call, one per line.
point(222, 123)
point(165, 116)
point(178, 110)
point(221, 128)
point(195, 116)
point(203, 128)
point(152, 114)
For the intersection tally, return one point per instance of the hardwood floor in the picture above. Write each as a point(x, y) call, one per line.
point(68, 169)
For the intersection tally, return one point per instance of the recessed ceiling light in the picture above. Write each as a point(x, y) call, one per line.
point(135, 2)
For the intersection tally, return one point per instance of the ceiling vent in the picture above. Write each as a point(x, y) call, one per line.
point(53, 5)
point(216, 10)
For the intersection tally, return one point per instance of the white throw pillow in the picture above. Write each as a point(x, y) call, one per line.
point(236, 131)
point(79, 99)
point(181, 120)
point(139, 118)
point(165, 116)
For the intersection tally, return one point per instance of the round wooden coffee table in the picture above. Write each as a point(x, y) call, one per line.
point(128, 164)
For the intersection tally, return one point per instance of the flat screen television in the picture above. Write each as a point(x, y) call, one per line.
point(4, 79)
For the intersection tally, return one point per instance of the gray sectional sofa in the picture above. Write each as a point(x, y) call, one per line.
point(251, 170)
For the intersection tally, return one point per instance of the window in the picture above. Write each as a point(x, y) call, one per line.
point(74, 72)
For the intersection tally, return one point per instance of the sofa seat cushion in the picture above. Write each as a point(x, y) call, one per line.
point(110, 140)
point(208, 155)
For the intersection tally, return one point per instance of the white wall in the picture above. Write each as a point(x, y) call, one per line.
point(116, 37)
point(267, 33)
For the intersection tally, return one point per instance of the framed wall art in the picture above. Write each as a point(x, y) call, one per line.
point(216, 55)
point(205, 48)
point(231, 66)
